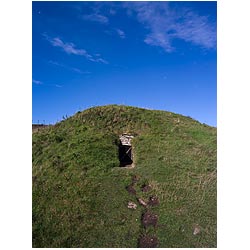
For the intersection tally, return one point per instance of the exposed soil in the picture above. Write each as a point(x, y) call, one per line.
point(148, 241)
point(153, 201)
point(146, 188)
point(149, 219)
point(131, 189)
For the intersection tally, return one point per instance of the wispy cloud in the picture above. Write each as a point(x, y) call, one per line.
point(70, 48)
point(46, 84)
point(67, 47)
point(68, 68)
point(57, 85)
point(96, 18)
point(121, 33)
point(101, 60)
point(37, 82)
point(115, 32)
point(166, 23)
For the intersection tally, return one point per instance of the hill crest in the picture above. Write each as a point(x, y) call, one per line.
point(80, 193)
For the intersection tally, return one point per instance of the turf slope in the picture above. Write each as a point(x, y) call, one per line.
point(79, 190)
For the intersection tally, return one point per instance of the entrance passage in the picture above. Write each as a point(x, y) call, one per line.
point(125, 155)
point(125, 150)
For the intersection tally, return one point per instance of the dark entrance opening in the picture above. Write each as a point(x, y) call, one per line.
point(125, 150)
point(125, 155)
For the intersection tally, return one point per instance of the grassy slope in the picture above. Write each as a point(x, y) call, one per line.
point(79, 195)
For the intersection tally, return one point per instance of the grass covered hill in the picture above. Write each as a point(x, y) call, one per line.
point(81, 194)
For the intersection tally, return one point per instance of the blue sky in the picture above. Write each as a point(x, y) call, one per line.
point(157, 55)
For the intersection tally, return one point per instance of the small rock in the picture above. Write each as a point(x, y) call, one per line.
point(197, 230)
point(142, 202)
point(132, 205)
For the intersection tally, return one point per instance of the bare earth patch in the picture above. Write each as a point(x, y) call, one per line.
point(153, 201)
point(146, 188)
point(148, 241)
point(131, 189)
point(149, 219)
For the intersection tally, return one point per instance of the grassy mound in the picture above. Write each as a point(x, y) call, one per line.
point(79, 191)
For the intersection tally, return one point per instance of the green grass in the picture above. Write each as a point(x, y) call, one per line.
point(79, 190)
